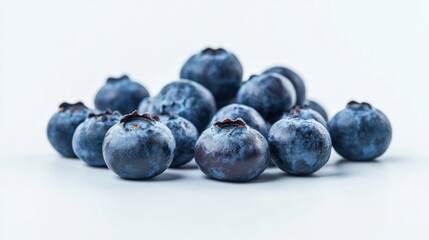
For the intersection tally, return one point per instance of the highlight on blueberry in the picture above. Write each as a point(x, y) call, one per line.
point(360, 132)
point(121, 94)
point(232, 151)
point(89, 135)
point(138, 147)
point(216, 69)
point(316, 107)
point(62, 126)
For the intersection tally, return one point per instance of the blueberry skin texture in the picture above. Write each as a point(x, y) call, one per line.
point(218, 70)
point(62, 126)
point(185, 135)
point(187, 99)
point(317, 107)
point(120, 94)
point(138, 147)
point(248, 114)
point(296, 80)
point(232, 151)
point(299, 147)
point(146, 105)
point(305, 113)
point(89, 135)
point(360, 132)
point(270, 94)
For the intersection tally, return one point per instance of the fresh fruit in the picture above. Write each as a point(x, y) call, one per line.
point(298, 146)
point(360, 132)
point(246, 113)
point(218, 70)
point(232, 151)
point(270, 94)
point(138, 147)
point(187, 99)
point(89, 135)
point(62, 126)
point(296, 80)
point(185, 134)
point(120, 94)
point(145, 105)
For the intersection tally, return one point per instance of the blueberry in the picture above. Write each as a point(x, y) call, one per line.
point(305, 113)
point(138, 147)
point(316, 107)
point(62, 126)
point(360, 132)
point(296, 80)
point(248, 114)
point(145, 105)
point(298, 146)
point(270, 94)
point(218, 70)
point(120, 94)
point(232, 151)
point(89, 135)
point(185, 134)
point(187, 99)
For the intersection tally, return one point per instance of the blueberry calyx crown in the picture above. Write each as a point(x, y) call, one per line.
point(358, 104)
point(136, 115)
point(119, 79)
point(228, 122)
point(65, 105)
point(213, 51)
point(104, 115)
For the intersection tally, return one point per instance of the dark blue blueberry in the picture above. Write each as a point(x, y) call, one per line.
point(62, 126)
point(187, 99)
point(360, 132)
point(232, 151)
point(248, 114)
point(298, 146)
point(120, 94)
point(138, 147)
point(305, 113)
point(145, 105)
point(316, 107)
point(185, 134)
point(270, 94)
point(218, 70)
point(296, 80)
point(89, 135)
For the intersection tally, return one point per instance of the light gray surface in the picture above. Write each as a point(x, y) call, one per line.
point(54, 51)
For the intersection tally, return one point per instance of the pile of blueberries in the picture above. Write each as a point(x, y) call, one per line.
point(233, 129)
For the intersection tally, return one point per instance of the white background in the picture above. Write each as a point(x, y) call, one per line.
point(54, 51)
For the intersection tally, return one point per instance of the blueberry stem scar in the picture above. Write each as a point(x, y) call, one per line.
point(135, 115)
point(239, 122)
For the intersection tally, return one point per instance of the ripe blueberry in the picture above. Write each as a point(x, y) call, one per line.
point(138, 147)
point(62, 126)
point(89, 135)
point(360, 132)
point(298, 146)
point(218, 70)
point(305, 113)
point(232, 151)
point(270, 94)
point(316, 107)
point(187, 99)
point(296, 80)
point(120, 94)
